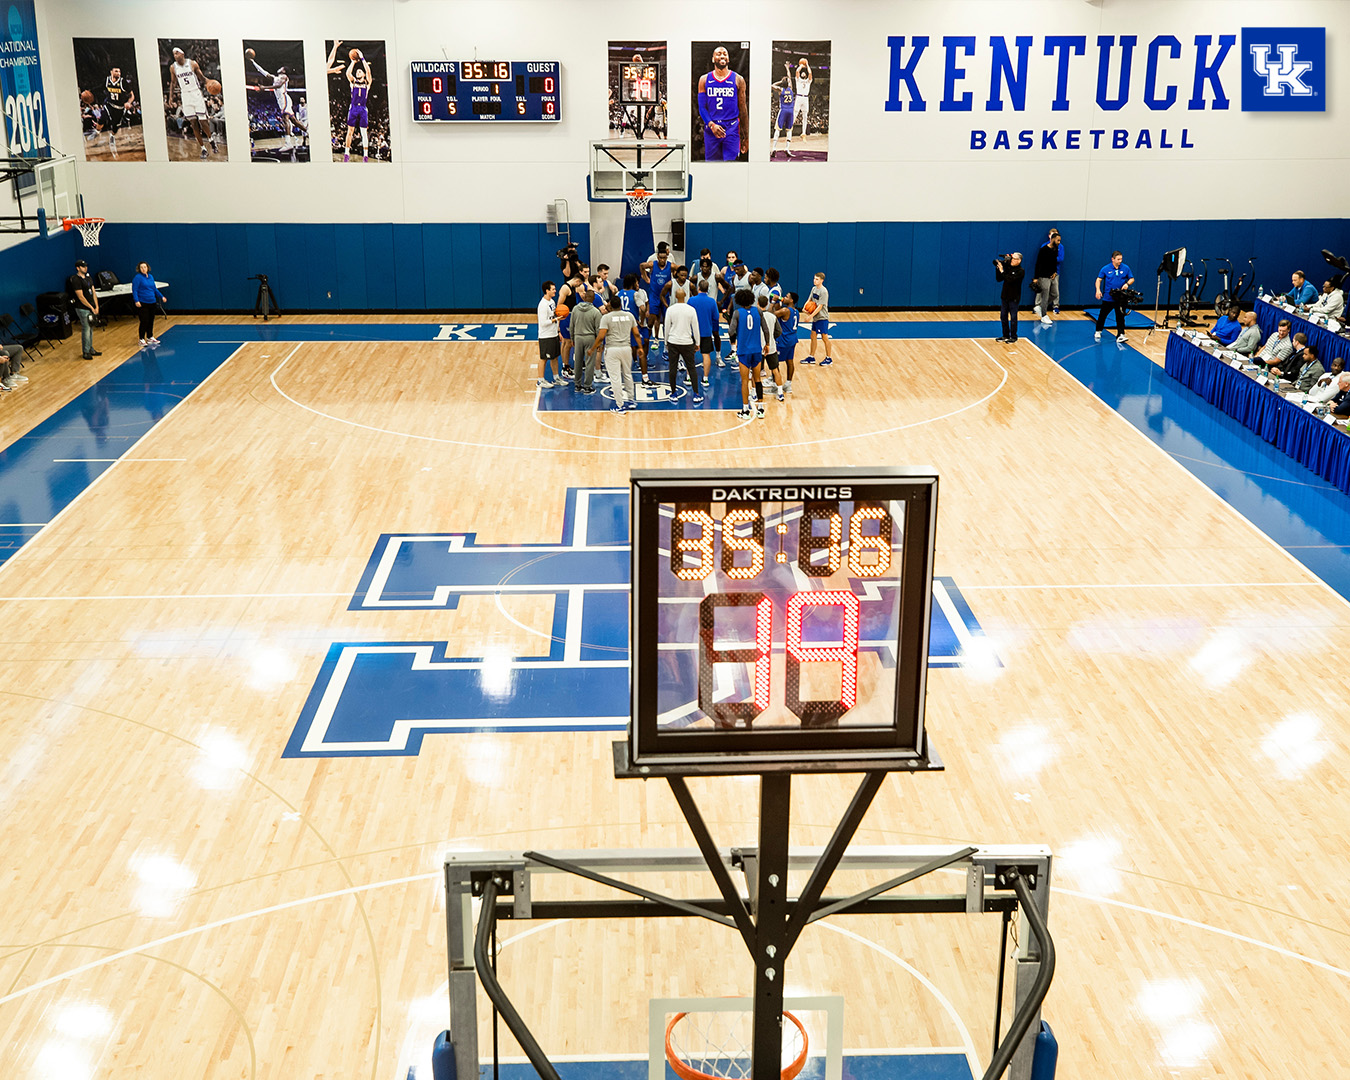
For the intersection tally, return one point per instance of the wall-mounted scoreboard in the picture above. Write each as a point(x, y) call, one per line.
point(469, 91)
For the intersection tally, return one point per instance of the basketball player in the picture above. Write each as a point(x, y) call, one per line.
point(358, 115)
point(820, 320)
point(660, 274)
point(787, 336)
point(770, 346)
point(634, 301)
point(749, 332)
point(786, 117)
point(724, 107)
point(705, 308)
point(118, 97)
point(803, 101)
point(603, 287)
point(549, 344)
point(280, 84)
point(615, 338)
point(302, 118)
point(187, 91)
point(679, 281)
point(737, 278)
point(709, 283)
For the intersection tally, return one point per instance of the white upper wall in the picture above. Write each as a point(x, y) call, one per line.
point(883, 165)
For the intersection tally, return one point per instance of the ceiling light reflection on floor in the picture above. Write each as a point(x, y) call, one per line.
point(1295, 745)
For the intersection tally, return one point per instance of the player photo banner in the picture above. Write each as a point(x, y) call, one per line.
point(720, 79)
point(22, 99)
point(799, 101)
point(358, 101)
point(637, 90)
point(278, 105)
point(110, 99)
point(194, 103)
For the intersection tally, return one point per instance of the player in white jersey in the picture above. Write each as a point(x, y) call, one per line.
point(186, 90)
point(302, 115)
point(801, 104)
point(281, 82)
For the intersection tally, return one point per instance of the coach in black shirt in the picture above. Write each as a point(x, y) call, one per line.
point(80, 288)
point(1011, 276)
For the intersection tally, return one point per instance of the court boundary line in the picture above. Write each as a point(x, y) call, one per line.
point(80, 495)
point(1317, 579)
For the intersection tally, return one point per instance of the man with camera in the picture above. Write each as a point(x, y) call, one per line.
point(569, 262)
point(1113, 286)
point(1008, 269)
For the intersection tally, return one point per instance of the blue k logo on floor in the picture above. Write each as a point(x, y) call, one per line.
point(375, 698)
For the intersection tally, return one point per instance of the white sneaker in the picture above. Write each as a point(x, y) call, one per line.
point(1037, 310)
point(788, 386)
point(19, 378)
point(1045, 321)
point(1096, 335)
point(144, 343)
point(543, 384)
point(8, 382)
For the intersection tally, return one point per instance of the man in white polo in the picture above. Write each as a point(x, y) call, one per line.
point(681, 328)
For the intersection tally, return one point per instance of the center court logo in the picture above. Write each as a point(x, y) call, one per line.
point(1284, 69)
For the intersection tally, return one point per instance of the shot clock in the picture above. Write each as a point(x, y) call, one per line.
point(640, 84)
point(780, 619)
point(469, 91)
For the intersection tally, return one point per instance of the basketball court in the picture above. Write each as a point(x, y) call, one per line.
point(356, 690)
point(1120, 695)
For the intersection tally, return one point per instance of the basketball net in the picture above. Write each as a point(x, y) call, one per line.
point(638, 199)
point(89, 228)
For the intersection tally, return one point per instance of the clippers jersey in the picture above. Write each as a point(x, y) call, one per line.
point(724, 101)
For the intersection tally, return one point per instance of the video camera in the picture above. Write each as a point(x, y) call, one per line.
point(570, 251)
point(1002, 259)
point(1128, 297)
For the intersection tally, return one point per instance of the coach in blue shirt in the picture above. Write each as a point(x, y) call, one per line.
point(1303, 293)
point(1114, 275)
point(1226, 330)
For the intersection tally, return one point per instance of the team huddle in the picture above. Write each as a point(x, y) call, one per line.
point(664, 310)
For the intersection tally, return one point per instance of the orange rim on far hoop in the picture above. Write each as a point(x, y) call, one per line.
point(685, 1071)
point(638, 199)
point(89, 228)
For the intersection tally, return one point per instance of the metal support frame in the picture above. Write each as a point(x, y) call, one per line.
point(997, 878)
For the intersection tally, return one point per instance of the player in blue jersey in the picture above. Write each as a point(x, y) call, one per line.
point(750, 350)
point(787, 335)
point(705, 307)
point(724, 108)
point(658, 274)
point(634, 301)
point(358, 115)
point(784, 121)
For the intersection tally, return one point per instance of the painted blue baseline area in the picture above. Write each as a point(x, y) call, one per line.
point(43, 471)
point(380, 698)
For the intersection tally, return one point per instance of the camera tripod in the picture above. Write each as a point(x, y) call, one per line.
point(266, 303)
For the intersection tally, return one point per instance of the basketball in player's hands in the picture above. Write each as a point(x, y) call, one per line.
point(250, 53)
point(212, 87)
point(354, 54)
point(561, 311)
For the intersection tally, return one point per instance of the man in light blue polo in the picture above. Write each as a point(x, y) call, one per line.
point(1114, 275)
point(1303, 293)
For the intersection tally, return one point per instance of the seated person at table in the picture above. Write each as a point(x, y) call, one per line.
point(1302, 292)
point(1249, 338)
point(1343, 401)
point(1277, 347)
point(1226, 330)
point(1330, 303)
point(1303, 369)
point(1329, 387)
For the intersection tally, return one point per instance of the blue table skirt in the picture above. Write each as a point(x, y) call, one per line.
point(1306, 438)
point(1326, 343)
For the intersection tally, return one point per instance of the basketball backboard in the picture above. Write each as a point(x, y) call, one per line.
point(780, 620)
point(49, 184)
point(620, 165)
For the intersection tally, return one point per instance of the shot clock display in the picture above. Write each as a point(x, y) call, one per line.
point(640, 84)
point(780, 616)
point(468, 91)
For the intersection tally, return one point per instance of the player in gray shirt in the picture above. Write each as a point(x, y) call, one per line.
point(820, 320)
point(585, 325)
point(617, 335)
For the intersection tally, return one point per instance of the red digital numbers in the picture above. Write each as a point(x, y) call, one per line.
point(548, 107)
point(426, 108)
point(548, 84)
point(437, 86)
point(822, 552)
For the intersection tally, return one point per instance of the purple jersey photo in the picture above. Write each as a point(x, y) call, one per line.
point(357, 116)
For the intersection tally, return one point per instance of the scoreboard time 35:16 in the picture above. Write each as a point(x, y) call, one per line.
point(469, 91)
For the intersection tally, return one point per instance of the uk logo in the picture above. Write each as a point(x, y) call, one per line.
point(379, 698)
point(1284, 69)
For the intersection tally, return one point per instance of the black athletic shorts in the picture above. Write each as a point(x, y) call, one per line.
point(550, 348)
point(705, 344)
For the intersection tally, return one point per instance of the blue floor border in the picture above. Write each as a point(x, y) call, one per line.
point(44, 470)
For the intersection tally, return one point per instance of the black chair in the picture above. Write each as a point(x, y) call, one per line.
point(28, 313)
point(10, 329)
